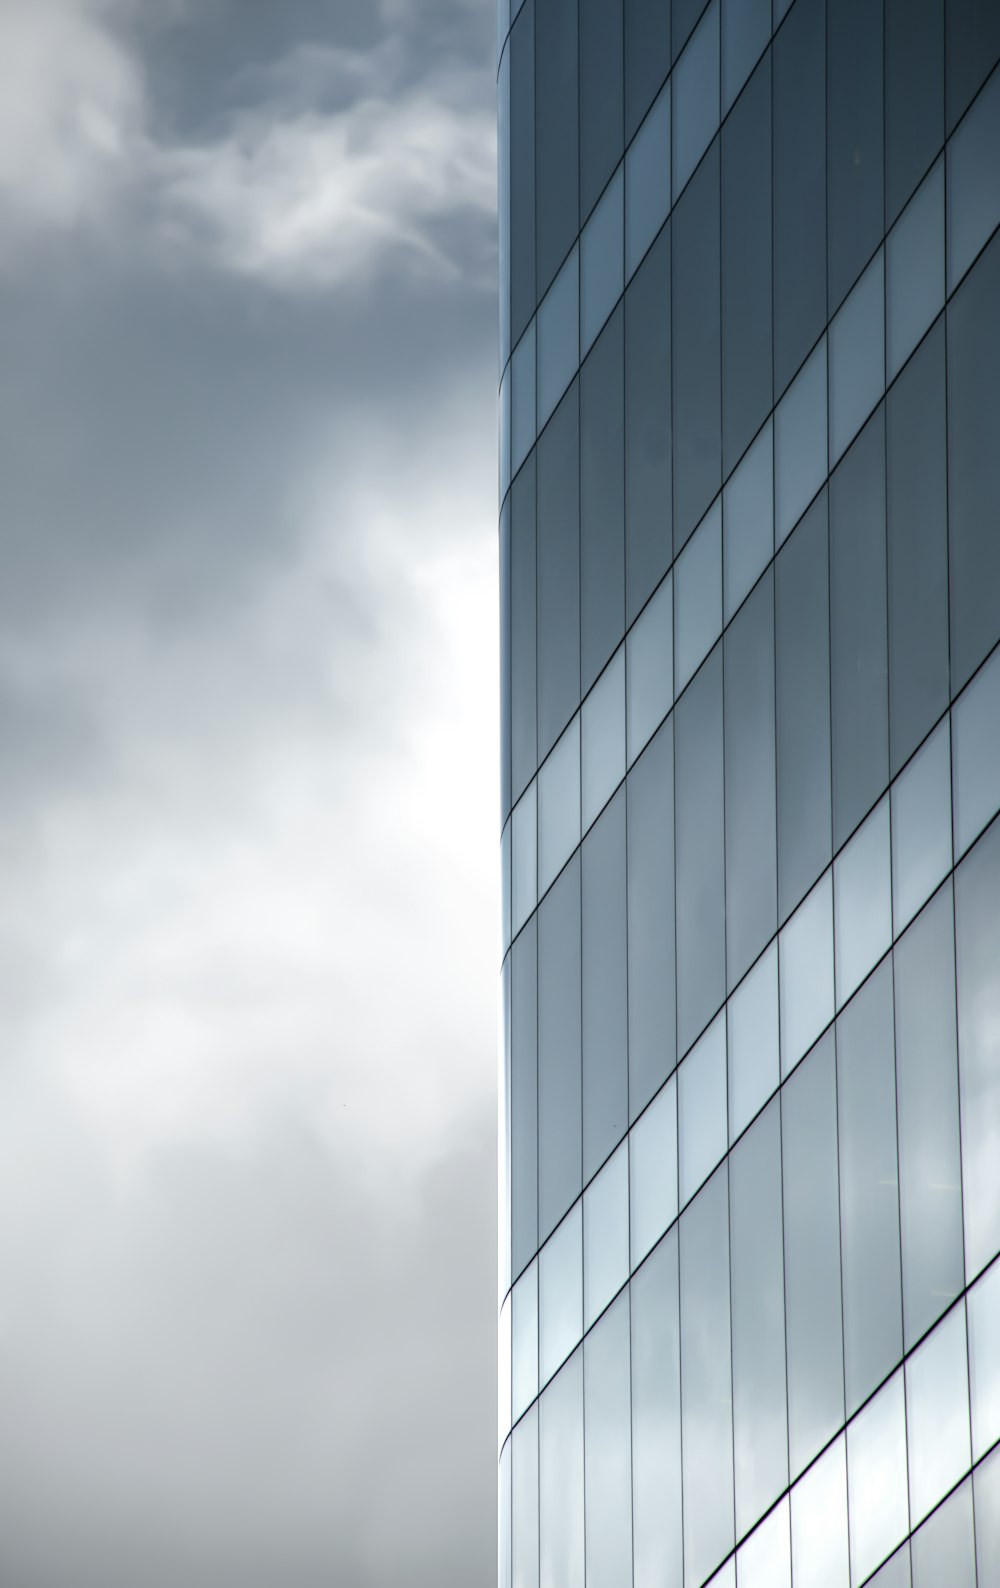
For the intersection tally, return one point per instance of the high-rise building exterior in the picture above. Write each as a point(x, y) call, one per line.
point(750, 575)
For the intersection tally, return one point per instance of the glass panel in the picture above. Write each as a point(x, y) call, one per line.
point(914, 94)
point(602, 97)
point(559, 806)
point(557, 154)
point(819, 1522)
point(700, 839)
point(504, 1370)
point(895, 1573)
point(605, 1027)
point(651, 996)
point(973, 181)
point(649, 670)
point(972, 44)
point(869, 1198)
point(696, 96)
point(917, 522)
point(503, 1135)
point(984, 1360)
point(523, 397)
point(558, 570)
point(802, 664)
point(725, 1577)
point(858, 638)
point(944, 1550)
point(760, 1426)
point(653, 1170)
point(855, 131)
point(523, 682)
point(560, 1450)
point(698, 597)
point(753, 1042)
point(806, 964)
point(986, 1487)
point(647, 181)
point(524, 1496)
point(862, 894)
point(706, 1386)
point(560, 1293)
point(921, 826)
point(748, 521)
point(504, 1521)
point(605, 1235)
point(602, 259)
point(977, 929)
point(608, 1453)
point(603, 742)
point(524, 1335)
point(656, 1420)
point(765, 1559)
point(524, 1096)
point(751, 832)
point(976, 750)
point(799, 188)
point(602, 500)
point(504, 430)
point(647, 56)
point(524, 880)
point(812, 1255)
point(915, 266)
point(800, 464)
point(697, 352)
point(560, 1123)
point(648, 497)
point(937, 1414)
point(522, 169)
point(930, 1175)
point(876, 1479)
point(558, 337)
point(505, 840)
point(974, 465)
point(746, 32)
point(701, 1095)
point(857, 358)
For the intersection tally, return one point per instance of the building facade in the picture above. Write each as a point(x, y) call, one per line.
point(750, 593)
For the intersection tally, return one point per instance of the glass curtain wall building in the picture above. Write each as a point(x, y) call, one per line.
point(750, 584)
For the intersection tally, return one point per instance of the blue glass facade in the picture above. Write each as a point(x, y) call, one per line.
point(750, 579)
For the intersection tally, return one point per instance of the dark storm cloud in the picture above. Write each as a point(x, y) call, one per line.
point(247, 980)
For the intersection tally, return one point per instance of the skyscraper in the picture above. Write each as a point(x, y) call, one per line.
point(750, 585)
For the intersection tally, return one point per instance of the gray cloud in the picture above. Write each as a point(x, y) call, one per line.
point(247, 819)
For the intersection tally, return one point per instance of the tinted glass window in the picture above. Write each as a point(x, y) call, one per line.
point(656, 1420)
point(560, 1448)
point(854, 119)
point(608, 1449)
point(650, 796)
point(647, 56)
point(944, 1550)
point(524, 1097)
point(937, 1414)
point(649, 540)
point(746, 266)
point(559, 1072)
point(751, 858)
point(522, 170)
point(602, 105)
point(696, 348)
point(605, 1031)
point(914, 95)
point(524, 1496)
point(876, 1482)
point(977, 926)
point(557, 166)
point(972, 45)
point(558, 587)
point(701, 891)
point(799, 187)
point(602, 500)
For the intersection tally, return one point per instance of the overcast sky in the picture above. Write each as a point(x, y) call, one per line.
point(248, 809)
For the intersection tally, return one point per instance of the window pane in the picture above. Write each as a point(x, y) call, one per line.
point(656, 1420)
point(524, 1097)
point(812, 1255)
point(706, 1387)
point(765, 1559)
point(602, 109)
point(558, 571)
point(802, 661)
point(751, 835)
point(976, 752)
point(984, 1360)
point(647, 181)
point(602, 501)
point(974, 465)
point(753, 1042)
point(602, 260)
point(800, 456)
point(915, 267)
point(746, 258)
point(700, 828)
point(862, 896)
point(524, 1496)
point(857, 358)
point(524, 1340)
point(701, 1094)
point(937, 1414)
point(524, 855)
point(522, 169)
point(557, 158)
point(855, 119)
point(523, 424)
point(972, 44)
point(986, 1488)
point(603, 737)
point(560, 1130)
point(806, 964)
point(748, 521)
point(697, 348)
point(608, 1454)
point(746, 31)
point(605, 1027)
point(819, 1522)
point(799, 187)
point(760, 1428)
point(605, 1235)
point(557, 333)
point(647, 56)
point(876, 1479)
point(504, 1521)
point(523, 743)
point(930, 1175)
point(559, 806)
point(696, 96)
point(649, 669)
point(560, 1449)
point(977, 926)
point(944, 1550)
point(651, 920)
point(914, 94)
point(560, 1293)
point(653, 1171)
point(648, 496)
point(698, 597)
point(869, 1200)
point(973, 181)
point(921, 826)
point(917, 502)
